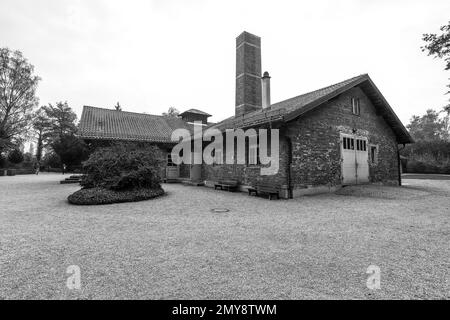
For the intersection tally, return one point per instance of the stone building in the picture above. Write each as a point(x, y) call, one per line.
point(346, 133)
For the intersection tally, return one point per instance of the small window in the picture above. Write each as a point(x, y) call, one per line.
point(361, 145)
point(356, 106)
point(373, 154)
point(348, 143)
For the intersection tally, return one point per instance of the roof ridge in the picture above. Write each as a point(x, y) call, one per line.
point(323, 88)
point(132, 112)
point(270, 108)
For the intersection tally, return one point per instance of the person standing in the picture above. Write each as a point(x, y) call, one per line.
point(64, 168)
point(38, 168)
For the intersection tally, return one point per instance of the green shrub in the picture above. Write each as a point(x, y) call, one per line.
point(24, 171)
point(2, 161)
point(15, 156)
point(51, 160)
point(445, 169)
point(95, 196)
point(414, 166)
point(436, 152)
point(123, 167)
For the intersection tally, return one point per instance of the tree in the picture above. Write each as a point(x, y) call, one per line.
point(52, 160)
point(439, 47)
point(428, 127)
point(2, 161)
point(17, 96)
point(61, 119)
point(71, 150)
point(446, 121)
point(41, 127)
point(61, 134)
point(172, 112)
point(15, 156)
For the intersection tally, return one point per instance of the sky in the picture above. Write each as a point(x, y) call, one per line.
point(152, 55)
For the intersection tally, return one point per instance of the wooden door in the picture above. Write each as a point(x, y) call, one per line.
point(355, 166)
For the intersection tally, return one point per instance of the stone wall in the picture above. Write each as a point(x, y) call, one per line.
point(314, 138)
point(248, 175)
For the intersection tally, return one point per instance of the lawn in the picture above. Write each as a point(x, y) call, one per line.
point(175, 247)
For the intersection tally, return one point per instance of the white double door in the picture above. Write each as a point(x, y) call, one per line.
point(355, 165)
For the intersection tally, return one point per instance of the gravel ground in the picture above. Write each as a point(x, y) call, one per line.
point(174, 247)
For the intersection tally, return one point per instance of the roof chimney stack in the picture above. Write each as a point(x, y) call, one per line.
point(265, 90)
point(248, 73)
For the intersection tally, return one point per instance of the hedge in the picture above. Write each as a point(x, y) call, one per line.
point(413, 166)
point(13, 172)
point(96, 196)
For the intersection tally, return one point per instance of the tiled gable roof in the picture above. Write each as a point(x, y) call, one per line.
point(304, 99)
point(292, 108)
point(98, 123)
point(278, 110)
point(107, 124)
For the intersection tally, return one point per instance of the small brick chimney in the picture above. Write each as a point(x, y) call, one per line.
point(265, 90)
point(248, 73)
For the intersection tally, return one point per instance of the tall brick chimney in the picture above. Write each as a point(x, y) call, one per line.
point(248, 73)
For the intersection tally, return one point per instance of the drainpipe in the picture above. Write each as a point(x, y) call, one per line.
point(399, 163)
point(288, 169)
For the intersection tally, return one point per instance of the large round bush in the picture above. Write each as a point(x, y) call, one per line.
point(15, 156)
point(119, 173)
point(123, 167)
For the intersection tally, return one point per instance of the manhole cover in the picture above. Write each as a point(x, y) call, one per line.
point(220, 210)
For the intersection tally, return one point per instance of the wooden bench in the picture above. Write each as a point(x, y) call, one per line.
point(228, 185)
point(265, 188)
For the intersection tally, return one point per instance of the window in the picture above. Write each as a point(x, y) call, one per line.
point(373, 154)
point(361, 145)
point(348, 143)
point(351, 144)
point(356, 106)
